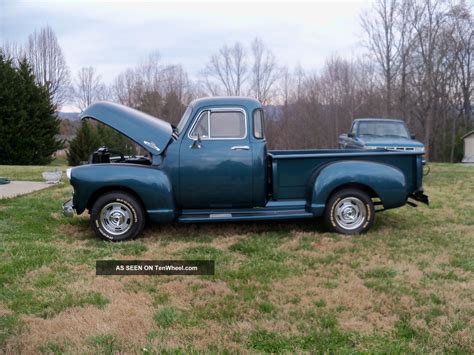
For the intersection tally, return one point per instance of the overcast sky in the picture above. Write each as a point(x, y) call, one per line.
point(114, 35)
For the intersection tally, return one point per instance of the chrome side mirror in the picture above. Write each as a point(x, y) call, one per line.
point(196, 143)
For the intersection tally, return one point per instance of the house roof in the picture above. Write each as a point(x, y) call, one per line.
point(467, 134)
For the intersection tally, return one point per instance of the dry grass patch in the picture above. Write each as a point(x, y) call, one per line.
point(359, 304)
point(4, 311)
point(186, 292)
point(127, 317)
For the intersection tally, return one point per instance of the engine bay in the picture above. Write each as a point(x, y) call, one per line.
point(104, 155)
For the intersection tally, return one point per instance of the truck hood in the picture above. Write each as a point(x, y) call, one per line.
point(390, 142)
point(149, 132)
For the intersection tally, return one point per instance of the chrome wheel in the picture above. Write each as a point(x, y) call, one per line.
point(116, 218)
point(350, 213)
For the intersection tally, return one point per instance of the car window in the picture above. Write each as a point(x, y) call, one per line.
point(354, 128)
point(258, 124)
point(184, 119)
point(227, 124)
point(383, 129)
point(201, 127)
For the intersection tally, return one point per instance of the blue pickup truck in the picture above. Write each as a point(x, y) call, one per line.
point(380, 133)
point(215, 167)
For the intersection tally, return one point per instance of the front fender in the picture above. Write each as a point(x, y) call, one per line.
point(386, 181)
point(151, 185)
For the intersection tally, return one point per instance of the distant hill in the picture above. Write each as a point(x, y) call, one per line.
point(72, 116)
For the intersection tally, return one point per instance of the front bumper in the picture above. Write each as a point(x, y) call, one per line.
point(68, 208)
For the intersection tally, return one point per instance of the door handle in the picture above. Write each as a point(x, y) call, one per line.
point(240, 147)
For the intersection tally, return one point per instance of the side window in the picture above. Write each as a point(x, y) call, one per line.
point(227, 124)
point(258, 124)
point(201, 127)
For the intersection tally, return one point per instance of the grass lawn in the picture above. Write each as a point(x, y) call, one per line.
point(406, 286)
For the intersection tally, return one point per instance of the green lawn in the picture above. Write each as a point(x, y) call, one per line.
point(406, 286)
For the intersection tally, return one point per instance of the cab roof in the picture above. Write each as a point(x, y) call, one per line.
point(226, 101)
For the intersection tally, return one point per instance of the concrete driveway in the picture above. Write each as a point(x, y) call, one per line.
point(17, 188)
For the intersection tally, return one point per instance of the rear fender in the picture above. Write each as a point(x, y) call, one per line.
point(388, 183)
point(151, 185)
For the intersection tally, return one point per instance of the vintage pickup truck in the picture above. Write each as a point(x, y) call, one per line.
point(380, 133)
point(214, 166)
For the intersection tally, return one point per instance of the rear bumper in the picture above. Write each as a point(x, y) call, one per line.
point(68, 208)
point(420, 197)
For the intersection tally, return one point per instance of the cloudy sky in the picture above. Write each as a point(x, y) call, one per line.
point(114, 35)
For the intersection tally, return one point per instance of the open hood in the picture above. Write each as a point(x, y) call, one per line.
point(149, 132)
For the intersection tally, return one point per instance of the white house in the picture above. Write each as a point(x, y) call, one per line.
point(468, 147)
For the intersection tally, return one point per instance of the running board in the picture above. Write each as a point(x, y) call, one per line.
point(190, 217)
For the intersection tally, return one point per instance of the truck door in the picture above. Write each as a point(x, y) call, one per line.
point(216, 161)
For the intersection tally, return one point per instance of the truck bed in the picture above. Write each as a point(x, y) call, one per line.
point(292, 169)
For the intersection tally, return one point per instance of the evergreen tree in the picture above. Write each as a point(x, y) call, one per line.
point(83, 145)
point(28, 122)
point(114, 140)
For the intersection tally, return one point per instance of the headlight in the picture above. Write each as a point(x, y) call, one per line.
point(420, 149)
point(68, 173)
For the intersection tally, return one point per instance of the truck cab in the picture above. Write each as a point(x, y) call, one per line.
point(215, 167)
point(222, 150)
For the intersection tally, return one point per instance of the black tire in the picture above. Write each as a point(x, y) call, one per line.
point(349, 211)
point(117, 216)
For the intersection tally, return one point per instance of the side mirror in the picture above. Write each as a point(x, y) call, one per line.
point(413, 136)
point(351, 135)
point(196, 143)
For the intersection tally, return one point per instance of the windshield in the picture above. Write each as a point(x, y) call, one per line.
point(383, 129)
point(183, 120)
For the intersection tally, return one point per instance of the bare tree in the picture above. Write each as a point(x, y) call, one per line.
point(12, 50)
point(462, 62)
point(264, 71)
point(462, 40)
point(285, 86)
point(160, 90)
point(49, 65)
point(299, 75)
point(227, 71)
point(88, 88)
point(384, 43)
point(405, 30)
point(429, 21)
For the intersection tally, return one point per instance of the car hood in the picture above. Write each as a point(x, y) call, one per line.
point(390, 142)
point(149, 132)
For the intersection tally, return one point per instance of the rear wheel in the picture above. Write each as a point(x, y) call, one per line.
point(117, 216)
point(349, 211)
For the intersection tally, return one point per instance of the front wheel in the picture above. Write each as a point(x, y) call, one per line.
point(349, 211)
point(117, 216)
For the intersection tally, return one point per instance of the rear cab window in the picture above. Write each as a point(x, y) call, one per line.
point(258, 130)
